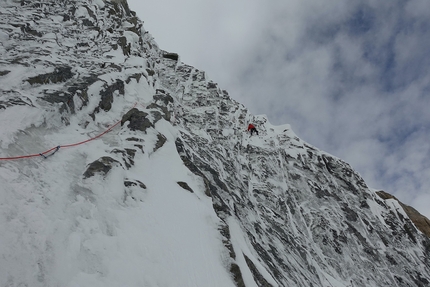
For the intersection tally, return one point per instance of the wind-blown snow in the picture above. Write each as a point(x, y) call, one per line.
point(79, 233)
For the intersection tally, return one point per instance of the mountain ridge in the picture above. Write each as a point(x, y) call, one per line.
point(277, 211)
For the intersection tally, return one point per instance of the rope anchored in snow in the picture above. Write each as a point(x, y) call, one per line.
point(53, 150)
point(46, 156)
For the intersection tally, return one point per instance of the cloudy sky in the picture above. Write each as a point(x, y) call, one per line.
point(351, 77)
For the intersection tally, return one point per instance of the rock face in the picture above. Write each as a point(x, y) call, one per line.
point(102, 166)
point(137, 120)
point(288, 214)
point(420, 221)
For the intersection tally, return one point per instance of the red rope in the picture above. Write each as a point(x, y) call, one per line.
point(30, 155)
point(62, 146)
point(91, 139)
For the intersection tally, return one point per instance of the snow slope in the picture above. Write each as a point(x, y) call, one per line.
point(59, 229)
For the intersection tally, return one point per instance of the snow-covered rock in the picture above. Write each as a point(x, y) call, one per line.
point(148, 177)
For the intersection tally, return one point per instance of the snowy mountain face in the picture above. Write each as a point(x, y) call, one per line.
point(147, 176)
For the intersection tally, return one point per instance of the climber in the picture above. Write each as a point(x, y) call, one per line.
point(252, 128)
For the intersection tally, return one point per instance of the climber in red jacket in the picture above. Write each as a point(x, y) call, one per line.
point(252, 128)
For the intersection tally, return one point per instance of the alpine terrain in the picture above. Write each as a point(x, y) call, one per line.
point(122, 166)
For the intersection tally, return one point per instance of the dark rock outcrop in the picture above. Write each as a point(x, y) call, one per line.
point(185, 186)
point(171, 56)
point(102, 166)
point(107, 94)
point(60, 74)
point(161, 140)
point(137, 119)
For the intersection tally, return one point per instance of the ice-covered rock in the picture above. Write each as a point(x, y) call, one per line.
point(156, 181)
